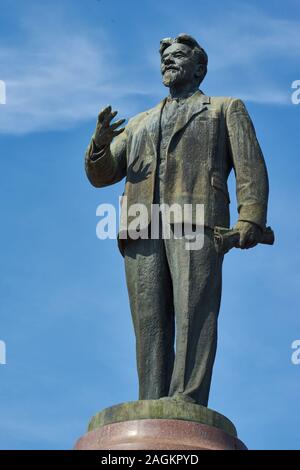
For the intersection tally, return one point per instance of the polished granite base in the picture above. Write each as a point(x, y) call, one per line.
point(159, 425)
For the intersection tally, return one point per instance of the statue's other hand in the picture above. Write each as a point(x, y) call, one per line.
point(105, 129)
point(250, 234)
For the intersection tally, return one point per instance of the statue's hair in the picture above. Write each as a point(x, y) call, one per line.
point(186, 39)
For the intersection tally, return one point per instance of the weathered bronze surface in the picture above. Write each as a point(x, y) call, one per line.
point(162, 409)
point(181, 151)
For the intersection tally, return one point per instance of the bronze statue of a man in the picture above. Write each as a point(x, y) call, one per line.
point(181, 151)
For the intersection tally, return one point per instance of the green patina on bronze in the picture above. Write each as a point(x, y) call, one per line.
point(162, 409)
point(180, 152)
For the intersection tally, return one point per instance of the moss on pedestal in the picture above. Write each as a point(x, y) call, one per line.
point(166, 408)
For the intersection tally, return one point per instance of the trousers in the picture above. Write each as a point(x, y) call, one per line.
point(174, 296)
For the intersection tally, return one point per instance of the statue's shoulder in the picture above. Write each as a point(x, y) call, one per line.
point(222, 103)
point(141, 116)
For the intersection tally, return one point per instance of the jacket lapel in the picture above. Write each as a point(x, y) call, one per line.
point(153, 123)
point(193, 105)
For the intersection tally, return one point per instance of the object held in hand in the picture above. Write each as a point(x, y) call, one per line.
point(227, 238)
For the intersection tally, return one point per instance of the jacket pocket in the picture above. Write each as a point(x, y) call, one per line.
point(218, 182)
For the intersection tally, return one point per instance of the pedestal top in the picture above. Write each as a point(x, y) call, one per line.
point(166, 408)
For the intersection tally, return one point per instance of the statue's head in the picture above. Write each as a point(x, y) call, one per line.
point(183, 61)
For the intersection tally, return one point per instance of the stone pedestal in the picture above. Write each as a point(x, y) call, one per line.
point(164, 424)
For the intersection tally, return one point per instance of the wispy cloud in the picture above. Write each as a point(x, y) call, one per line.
point(245, 36)
point(56, 78)
point(250, 52)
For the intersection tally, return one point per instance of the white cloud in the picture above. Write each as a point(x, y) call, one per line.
point(56, 79)
point(249, 51)
point(247, 36)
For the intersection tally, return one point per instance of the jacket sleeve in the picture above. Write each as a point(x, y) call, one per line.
point(252, 187)
point(108, 165)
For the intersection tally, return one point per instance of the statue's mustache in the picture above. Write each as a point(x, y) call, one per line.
point(170, 67)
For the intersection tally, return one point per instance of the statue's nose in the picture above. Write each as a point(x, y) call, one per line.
point(168, 60)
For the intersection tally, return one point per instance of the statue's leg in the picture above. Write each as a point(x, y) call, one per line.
point(197, 279)
point(151, 302)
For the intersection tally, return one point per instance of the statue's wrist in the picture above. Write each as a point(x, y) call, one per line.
point(99, 146)
point(251, 223)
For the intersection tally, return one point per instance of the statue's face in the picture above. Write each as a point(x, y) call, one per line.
point(178, 66)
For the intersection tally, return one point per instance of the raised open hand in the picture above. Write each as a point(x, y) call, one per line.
point(105, 130)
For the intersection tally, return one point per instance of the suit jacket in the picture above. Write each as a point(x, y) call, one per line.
point(212, 136)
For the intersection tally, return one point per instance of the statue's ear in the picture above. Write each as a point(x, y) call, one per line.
point(200, 72)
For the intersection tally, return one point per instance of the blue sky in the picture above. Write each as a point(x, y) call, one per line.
point(64, 310)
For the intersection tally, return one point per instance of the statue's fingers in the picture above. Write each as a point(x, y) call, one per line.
point(243, 240)
point(251, 241)
point(119, 131)
point(117, 124)
point(112, 115)
point(252, 244)
point(104, 113)
point(109, 117)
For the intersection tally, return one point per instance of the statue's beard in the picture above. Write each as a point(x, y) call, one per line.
point(173, 77)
